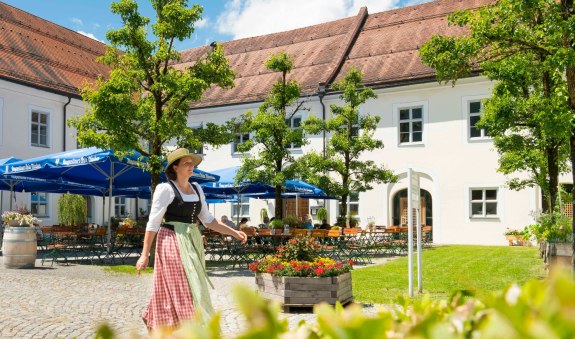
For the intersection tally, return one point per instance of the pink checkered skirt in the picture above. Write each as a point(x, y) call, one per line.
point(171, 301)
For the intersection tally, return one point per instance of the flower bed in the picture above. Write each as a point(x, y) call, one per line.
point(296, 276)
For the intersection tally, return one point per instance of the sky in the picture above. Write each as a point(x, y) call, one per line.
point(222, 20)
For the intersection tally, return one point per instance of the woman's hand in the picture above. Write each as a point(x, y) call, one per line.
point(142, 263)
point(241, 236)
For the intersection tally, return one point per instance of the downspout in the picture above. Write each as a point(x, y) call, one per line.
point(321, 94)
point(64, 125)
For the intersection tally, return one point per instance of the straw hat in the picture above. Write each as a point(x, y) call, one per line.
point(183, 152)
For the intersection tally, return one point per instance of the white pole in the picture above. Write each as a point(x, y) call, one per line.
point(110, 207)
point(409, 233)
point(419, 253)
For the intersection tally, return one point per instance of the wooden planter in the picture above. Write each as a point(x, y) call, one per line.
point(19, 247)
point(515, 240)
point(555, 254)
point(305, 291)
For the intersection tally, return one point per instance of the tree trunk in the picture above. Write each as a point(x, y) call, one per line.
point(553, 170)
point(279, 202)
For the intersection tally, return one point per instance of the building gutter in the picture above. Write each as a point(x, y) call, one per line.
point(64, 124)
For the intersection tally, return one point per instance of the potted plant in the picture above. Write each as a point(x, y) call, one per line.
point(263, 215)
point(514, 237)
point(72, 209)
point(296, 275)
point(128, 222)
point(321, 214)
point(276, 224)
point(19, 242)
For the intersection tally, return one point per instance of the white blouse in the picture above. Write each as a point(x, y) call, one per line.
point(164, 195)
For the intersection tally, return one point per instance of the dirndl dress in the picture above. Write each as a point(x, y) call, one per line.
point(180, 283)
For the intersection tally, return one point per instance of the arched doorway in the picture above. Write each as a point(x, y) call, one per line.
point(400, 207)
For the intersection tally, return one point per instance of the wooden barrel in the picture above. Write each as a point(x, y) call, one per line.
point(19, 247)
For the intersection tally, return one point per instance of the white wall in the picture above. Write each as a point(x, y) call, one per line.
point(16, 103)
point(450, 163)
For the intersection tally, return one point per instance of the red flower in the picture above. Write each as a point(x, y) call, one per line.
point(319, 271)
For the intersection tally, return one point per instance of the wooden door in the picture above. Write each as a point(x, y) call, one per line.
point(403, 212)
point(290, 207)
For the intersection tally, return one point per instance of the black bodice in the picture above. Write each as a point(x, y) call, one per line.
point(183, 211)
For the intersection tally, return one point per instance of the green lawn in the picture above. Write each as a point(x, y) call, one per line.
point(482, 269)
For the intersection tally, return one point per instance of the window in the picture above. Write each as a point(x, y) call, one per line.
point(39, 204)
point(39, 128)
point(410, 125)
point(240, 139)
point(483, 202)
point(294, 123)
point(120, 206)
point(244, 210)
point(353, 204)
point(475, 111)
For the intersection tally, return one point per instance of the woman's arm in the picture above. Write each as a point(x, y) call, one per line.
point(224, 229)
point(142, 262)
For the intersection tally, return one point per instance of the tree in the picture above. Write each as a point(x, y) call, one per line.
point(525, 117)
point(272, 133)
point(342, 171)
point(528, 47)
point(144, 103)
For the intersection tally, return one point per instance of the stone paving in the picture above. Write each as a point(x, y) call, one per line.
point(70, 301)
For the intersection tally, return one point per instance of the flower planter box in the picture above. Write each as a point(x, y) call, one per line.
point(515, 240)
point(557, 254)
point(305, 291)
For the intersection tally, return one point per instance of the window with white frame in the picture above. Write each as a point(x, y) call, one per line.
point(410, 125)
point(352, 205)
point(39, 124)
point(483, 202)
point(120, 206)
point(475, 111)
point(39, 204)
point(243, 206)
point(240, 139)
point(293, 123)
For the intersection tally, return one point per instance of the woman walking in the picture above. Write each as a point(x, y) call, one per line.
point(180, 283)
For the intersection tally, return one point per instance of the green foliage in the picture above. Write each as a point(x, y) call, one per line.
point(152, 94)
point(292, 221)
point(72, 209)
point(272, 135)
point(276, 223)
point(551, 227)
point(263, 214)
point(519, 44)
point(321, 214)
point(299, 248)
point(343, 171)
point(539, 309)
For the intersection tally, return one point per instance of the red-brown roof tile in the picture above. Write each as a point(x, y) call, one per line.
point(39, 53)
point(384, 49)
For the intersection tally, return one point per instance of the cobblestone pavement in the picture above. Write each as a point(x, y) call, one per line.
point(67, 301)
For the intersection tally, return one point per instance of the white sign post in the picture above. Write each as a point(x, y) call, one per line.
point(413, 206)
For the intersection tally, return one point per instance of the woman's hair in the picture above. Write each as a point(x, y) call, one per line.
point(244, 220)
point(170, 172)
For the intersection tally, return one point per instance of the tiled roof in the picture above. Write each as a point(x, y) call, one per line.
point(382, 45)
point(316, 50)
point(386, 50)
point(41, 54)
